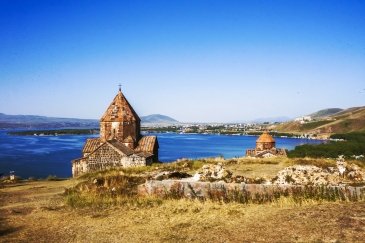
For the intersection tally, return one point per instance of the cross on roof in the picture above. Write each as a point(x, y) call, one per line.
point(120, 87)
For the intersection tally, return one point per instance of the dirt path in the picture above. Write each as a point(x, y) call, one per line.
point(35, 212)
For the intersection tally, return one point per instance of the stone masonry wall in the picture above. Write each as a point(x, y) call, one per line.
point(119, 130)
point(206, 190)
point(105, 158)
point(133, 161)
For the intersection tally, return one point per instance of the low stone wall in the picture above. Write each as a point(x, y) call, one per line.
point(246, 192)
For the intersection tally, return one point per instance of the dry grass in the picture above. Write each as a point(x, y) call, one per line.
point(35, 212)
point(41, 212)
point(322, 163)
point(262, 168)
point(185, 165)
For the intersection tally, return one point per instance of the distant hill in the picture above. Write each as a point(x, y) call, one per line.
point(32, 121)
point(325, 112)
point(348, 120)
point(158, 119)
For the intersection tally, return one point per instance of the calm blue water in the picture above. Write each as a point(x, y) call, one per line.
point(50, 155)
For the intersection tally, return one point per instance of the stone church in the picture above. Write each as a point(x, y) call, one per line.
point(120, 143)
point(265, 147)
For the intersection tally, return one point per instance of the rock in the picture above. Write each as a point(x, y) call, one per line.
point(215, 173)
point(355, 173)
point(239, 179)
point(331, 169)
point(341, 165)
point(196, 177)
point(98, 182)
point(354, 167)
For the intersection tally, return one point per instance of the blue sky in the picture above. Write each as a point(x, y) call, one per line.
point(194, 60)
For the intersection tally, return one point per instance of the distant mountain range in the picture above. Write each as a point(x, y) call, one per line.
point(332, 120)
point(329, 121)
point(32, 121)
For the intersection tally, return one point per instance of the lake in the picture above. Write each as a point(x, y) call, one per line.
point(40, 156)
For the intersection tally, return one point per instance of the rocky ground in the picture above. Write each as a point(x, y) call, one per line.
point(338, 172)
point(342, 173)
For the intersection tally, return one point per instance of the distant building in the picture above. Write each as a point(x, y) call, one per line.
point(12, 175)
point(303, 119)
point(265, 147)
point(120, 143)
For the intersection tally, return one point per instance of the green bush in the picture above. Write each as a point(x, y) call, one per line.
point(354, 144)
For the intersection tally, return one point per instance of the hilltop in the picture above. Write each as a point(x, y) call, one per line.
point(158, 119)
point(325, 112)
point(328, 121)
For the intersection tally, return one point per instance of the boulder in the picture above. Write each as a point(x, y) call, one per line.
point(341, 165)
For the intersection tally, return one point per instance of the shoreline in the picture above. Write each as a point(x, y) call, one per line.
point(240, 134)
point(75, 132)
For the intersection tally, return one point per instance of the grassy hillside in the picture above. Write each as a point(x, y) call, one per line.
point(325, 112)
point(349, 120)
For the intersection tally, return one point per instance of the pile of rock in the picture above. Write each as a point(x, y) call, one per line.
point(355, 173)
point(342, 173)
point(214, 173)
point(313, 175)
point(302, 175)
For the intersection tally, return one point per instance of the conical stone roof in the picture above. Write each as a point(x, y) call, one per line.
point(265, 138)
point(120, 110)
